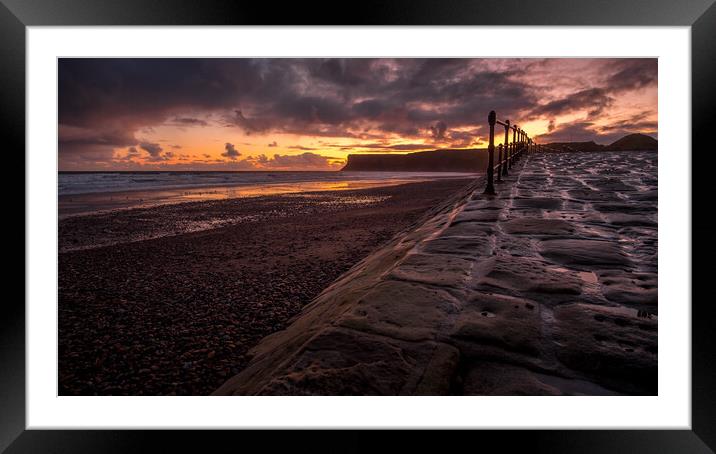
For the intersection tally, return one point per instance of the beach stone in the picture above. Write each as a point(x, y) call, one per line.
point(584, 252)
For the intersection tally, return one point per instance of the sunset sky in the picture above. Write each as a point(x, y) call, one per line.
point(309, 114)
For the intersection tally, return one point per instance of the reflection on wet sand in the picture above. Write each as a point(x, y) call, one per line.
point(77, 204)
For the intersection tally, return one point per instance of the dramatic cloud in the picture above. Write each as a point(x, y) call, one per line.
point(185, 121)
point(109, 105)
point(438, 130)
point(154, 149)
point(231, 152)
point(301, 147)
point(306, 160)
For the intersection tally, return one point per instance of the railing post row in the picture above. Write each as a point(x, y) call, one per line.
point(508, 152)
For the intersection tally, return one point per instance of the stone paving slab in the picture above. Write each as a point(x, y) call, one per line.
point(547, 288)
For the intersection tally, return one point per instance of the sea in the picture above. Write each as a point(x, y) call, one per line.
point(70, 183)
point(87, 192)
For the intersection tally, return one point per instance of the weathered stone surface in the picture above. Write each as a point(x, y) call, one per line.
point(502, 379)
point(590, 194)
point(483, 229)
point(510, 323)
point(440, 371)
point(584, 252)
point(346, 362)
point(543, 203)
point(459, 245)
point(401, 310)
point(548, 288)
point(520, 274)
point(629, 219)
point(620, 347)
point(479, 216)
point(487, 378)
point(537, 226)
point(630, 288)
point(435, 269)
point(651, 195)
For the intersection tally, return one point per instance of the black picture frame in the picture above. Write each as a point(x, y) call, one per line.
point(16, 15)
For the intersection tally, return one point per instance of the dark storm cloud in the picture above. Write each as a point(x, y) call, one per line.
point(595, 100)
point(629, 74)
point(114, 98)
point(633, 74)
point(110, 103)
point(579, 131)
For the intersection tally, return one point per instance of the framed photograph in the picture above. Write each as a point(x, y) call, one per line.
point(416, 216)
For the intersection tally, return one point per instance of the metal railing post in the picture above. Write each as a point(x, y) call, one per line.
point(514, 145)
point(499, 163)
point(490, 188)
point(507, 147)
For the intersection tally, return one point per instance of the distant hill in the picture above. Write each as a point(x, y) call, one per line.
point(634, 142)
point(631, 142)
point(455, 160)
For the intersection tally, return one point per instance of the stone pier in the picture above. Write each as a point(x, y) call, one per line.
point(548, 287)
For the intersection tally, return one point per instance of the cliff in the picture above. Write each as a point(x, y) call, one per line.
point(462, 160)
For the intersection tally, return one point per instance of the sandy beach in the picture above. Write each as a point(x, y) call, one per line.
point(167, 300)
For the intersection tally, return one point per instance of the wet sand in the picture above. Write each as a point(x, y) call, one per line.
point(89, 203)
point(168, 299)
